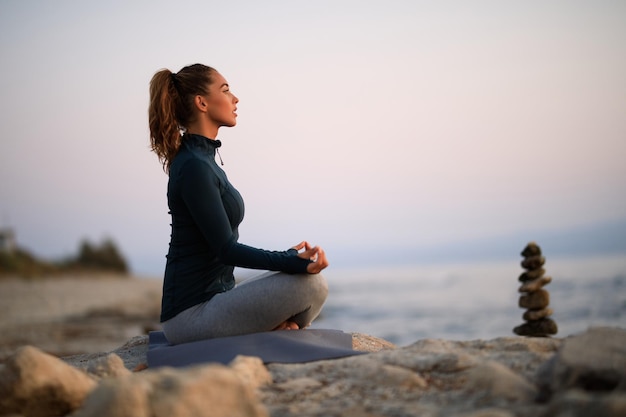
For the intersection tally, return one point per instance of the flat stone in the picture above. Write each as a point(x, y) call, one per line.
point(535, 284)
point(532, 249)
point(531, 275)
point(535, 300)
point(533, 262)
point(537, 328)
point(531, 315)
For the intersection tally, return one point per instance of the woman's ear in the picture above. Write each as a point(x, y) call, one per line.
point(200, 103)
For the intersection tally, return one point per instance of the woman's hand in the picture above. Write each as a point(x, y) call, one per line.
point(315, 254)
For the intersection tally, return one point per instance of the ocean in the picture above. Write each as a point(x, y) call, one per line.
point(472, 300)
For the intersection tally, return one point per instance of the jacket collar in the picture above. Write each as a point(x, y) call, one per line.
point(201, 143)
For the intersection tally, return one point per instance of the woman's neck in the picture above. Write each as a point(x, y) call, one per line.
point(203, 129)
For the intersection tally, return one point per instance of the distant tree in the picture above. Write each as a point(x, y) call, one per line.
point(90, 258)
point(86, 254)
point(104, 257)
point(21, 262)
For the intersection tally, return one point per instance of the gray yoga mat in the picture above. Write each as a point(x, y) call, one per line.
point(283, 346)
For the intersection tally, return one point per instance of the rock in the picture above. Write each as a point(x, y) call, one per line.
point(502, 377)
point(541, 328)
point(531, 275)
point(488, 412)
point(366, 343)
point(577, 403)
point(534, 297)
point(436, 378)
point(133, 354)
point(209, 390)
point(440, 355)
point(35, 384)
point(251, 371)
point(535, 284)
point(120, 397)
point(531, 315)
point(298, 384)
point(109, 366)
point(499, 381)
point(533, 262)
point(594, 361)
point(535, 300)
point(531, 249)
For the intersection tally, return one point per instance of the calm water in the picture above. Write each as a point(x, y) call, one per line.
point(471, 301)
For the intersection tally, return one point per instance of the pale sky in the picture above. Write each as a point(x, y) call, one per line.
point(362, 124)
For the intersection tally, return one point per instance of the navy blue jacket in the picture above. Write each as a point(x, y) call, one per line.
point(206, 211)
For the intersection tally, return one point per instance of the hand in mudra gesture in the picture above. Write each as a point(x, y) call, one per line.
point(315, 254)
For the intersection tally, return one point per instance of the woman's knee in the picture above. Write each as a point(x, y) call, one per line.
point(317, 287)
point(323, 284)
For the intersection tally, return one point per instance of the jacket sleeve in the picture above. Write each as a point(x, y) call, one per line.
point(200, 191)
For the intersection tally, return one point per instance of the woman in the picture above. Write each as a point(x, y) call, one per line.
point(200, 298)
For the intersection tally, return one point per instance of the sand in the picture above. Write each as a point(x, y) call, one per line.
point(76, 314)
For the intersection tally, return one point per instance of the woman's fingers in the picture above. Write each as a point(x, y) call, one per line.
point(319, 263)
point(298, 246)
point(302, 245)
point(309, 253)
point(314, 254)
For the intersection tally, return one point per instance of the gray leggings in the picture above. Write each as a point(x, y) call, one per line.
point(258, 304)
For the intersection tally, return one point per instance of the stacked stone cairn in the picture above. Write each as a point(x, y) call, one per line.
point(535, 299)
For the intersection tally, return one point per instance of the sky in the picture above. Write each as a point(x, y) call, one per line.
point(363, 126)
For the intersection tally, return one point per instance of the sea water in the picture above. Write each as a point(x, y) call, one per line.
point(470, 301)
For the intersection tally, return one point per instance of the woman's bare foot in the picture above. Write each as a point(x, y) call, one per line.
point(287, 325)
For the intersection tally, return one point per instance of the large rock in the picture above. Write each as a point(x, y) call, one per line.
point(594, 361)
point(504, 377)
point(428, 378)
point(35, 384)
point(210, 390)
point(577, 403)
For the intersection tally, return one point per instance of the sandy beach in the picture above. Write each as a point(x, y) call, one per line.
point(76, 314)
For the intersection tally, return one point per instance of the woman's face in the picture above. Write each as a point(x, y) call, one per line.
point(221, 103)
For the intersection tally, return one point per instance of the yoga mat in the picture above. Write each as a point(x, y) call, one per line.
point(282, 346)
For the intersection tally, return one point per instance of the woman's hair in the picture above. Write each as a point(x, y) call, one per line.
point(171, 107)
